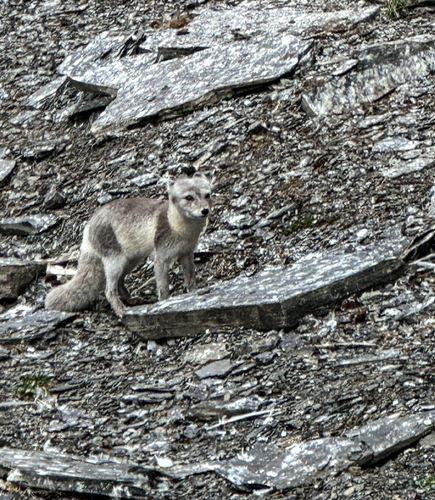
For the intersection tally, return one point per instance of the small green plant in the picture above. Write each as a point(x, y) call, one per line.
point(305, 220)
point(29, 385)
point(427, 482)
point(396, 8)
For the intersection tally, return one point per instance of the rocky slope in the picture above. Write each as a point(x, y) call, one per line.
point(336, 154)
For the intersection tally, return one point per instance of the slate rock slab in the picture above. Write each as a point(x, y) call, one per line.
point(423, 157)
point(102, 51)
point(380, 69)
point(16, 275)
point(274, 298)
point(281, 469)
point(30, 224)
point(368, 358)
point(302, 462)
point(216, 242)
point(393, 433)
point(164, 72)
point(6, 168)
point(16, 327)
point(210, 27)
point(196, 80)
point(259, 468)
point(219, 368)
point(252, 18)
point(208, 410)
point(213, 27)
point(67, 473)
point(47, 92)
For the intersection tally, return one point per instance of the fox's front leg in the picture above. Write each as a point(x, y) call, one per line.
point(161, 270)
point(188, 266)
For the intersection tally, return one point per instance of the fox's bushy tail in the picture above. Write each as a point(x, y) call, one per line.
point(82, 290)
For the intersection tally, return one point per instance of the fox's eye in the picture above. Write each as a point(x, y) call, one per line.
point(189, 197)
point(207, 196)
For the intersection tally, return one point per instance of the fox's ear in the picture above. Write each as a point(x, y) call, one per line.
point(171, 181)
point(204, 177)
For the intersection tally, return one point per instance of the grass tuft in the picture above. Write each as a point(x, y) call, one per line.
point(30, 385)
point(427, 482)
point(396, 8)
point(305, 221)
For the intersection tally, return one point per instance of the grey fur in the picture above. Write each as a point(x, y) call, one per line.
point(80, 292)
point(122, 234)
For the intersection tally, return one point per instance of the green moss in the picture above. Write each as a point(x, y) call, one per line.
point(29, 385)
point(396, 8)
point(427, 482)
point(306, 220)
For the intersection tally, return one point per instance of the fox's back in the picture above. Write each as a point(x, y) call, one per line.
point(125, 226)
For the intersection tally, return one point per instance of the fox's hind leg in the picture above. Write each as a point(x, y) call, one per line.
point(115, 268)
point(126, 297)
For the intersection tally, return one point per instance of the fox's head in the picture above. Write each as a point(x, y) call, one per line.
point(191, 195)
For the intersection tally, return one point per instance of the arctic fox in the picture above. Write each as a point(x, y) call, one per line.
point(123, 233)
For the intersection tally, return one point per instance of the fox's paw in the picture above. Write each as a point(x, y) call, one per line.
point(134, 301)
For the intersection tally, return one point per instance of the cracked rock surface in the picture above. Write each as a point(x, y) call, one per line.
point(332, 154)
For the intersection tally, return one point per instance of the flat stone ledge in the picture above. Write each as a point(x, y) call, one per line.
point(68, 473)
point(273, 299)
point(196, 80)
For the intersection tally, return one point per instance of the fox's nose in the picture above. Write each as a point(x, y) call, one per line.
point(205, 211)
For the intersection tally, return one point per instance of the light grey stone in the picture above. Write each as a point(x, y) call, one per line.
point(49, 91)
point(301, 463)
point(425, 158)
point(395, 144)
point(216, 242)
point(67, 473)
point(381, 68)
point(219, 368)
point(28, 224)
point(393, 433)
point(18, 328)
point(145, 180)
point(206, 354)
point(360, 360)
point(144, 91)
point(291, 467)
point(16, 275)
point(6, 167)
point(209, 410)
point(253, 19)
point(261, 466)
point(223, 51)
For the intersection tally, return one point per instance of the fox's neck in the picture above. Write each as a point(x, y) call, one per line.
point(182, 226)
